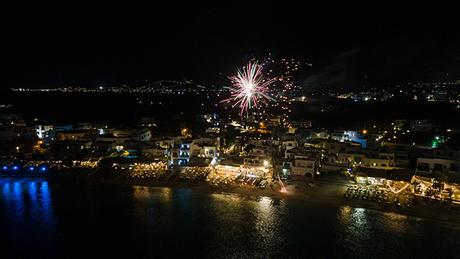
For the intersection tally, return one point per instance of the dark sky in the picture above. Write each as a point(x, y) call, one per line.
point(72, 44)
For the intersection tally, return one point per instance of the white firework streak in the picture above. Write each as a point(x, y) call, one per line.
point(249, 87)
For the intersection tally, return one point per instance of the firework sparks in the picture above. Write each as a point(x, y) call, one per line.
point(249, 87)
point(284, 70)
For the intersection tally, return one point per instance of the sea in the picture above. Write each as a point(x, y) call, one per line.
point(62, 219)
point(176, 111)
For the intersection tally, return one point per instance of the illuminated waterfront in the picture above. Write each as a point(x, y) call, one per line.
point(57, 219)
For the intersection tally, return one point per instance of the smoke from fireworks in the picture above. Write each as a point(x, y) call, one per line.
point(249, 87)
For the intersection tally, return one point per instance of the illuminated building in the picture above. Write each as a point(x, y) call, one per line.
point(399, 124)
point(301, 162)
point(235, 166)
point(205, 147)
point(320, 134)
point(213, 130)
point(72, 135)
point(288, 142)
point(144, 135)
point(385, 161)
point(301, 124)
point(431, 187)
point(43, 131)
point(253, 160)
point(304, 166)
point(427, 166)
point(437, 141)
point(349, 135)
point(155, 152)
point(396, 179)
point(180, 154)
point(332, 147)
point(119, 133)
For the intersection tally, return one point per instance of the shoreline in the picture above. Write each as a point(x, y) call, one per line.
point(420, 212)
point(312, 195)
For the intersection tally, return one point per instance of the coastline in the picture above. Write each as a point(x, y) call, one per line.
point(420, 212)
point(312, 195)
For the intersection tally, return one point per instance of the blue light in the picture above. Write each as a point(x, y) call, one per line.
point(43, 168)
point(5, 167)
point(31, 168)
point(15, 167)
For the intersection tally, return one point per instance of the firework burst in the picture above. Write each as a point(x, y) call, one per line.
point(249, 87)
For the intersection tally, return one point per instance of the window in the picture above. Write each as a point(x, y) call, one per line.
point(437, 167)
point(423, 167)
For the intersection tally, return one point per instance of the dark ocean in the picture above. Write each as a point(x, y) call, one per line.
point(40, 219)
point(174, 111)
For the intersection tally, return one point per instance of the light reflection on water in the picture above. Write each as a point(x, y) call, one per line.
point(397, 223)
point(355, 227)
point(363, 230)
point(267, 223)
point(165, 222)
point(239, 226)
point(142, 193)
point(29, 221)
point(28, 201)
point(353, 218)
point(17, 201)
point(257, 221)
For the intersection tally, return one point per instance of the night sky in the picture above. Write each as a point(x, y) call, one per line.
point(89, 45)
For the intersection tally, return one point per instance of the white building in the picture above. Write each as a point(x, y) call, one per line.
point(320, 134)
point(304, 166)
point(154, 152)
point(205, 147)
point(43, 131)
point(437, 165)
point(144, 135)
point(381, 160)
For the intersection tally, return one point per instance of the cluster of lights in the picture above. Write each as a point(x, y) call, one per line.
point(28, 168)
point(398, 191)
